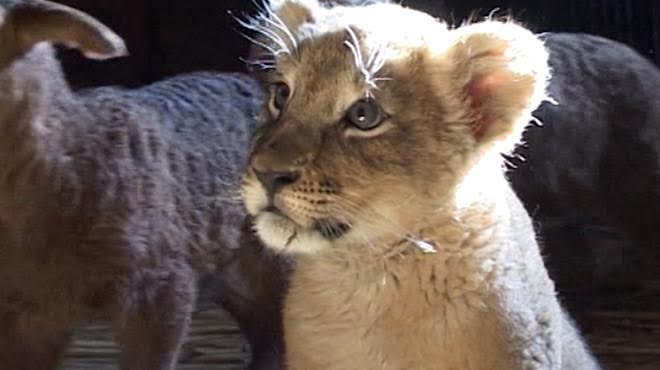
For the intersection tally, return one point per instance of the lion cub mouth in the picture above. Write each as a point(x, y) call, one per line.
point(331, 229)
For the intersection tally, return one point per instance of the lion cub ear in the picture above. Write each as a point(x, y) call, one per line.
point(293, 13)
point(502, 72)
point(275, 28)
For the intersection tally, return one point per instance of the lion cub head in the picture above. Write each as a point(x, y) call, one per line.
point(375, 114)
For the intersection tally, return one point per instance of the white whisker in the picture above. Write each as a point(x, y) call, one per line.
point(254, 25)
point(259, 43)
point(354, 46)
point(282, 26)
point(264, 64)
point(374, 218)
point(373, 65)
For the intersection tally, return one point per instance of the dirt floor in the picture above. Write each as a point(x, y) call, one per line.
point(214, 343)
point(625, 332)
point(625, 336)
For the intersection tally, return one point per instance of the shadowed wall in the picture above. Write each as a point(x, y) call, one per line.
point(167, 37)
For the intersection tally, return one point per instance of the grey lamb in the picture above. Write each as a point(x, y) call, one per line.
point(114, 203)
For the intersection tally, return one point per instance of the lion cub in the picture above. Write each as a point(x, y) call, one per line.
point(378, 165)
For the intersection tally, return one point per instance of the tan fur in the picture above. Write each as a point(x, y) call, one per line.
point(435, 265)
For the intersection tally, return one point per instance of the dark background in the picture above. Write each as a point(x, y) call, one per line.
point(167, 37)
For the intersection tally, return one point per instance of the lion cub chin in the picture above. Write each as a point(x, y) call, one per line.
point(377, 164)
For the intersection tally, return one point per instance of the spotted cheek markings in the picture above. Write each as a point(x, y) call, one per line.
point(298, 213)
point(294, 207)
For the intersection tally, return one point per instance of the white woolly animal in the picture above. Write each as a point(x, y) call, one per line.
point(114, 202)
point(378, 165)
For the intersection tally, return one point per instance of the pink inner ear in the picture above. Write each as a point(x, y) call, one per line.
point(480, 90)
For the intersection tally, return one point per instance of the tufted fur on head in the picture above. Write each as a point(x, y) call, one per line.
point(471, 88)
point(377, 163)
point(114, 202)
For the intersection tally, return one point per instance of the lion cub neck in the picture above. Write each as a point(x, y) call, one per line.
point(389, 297)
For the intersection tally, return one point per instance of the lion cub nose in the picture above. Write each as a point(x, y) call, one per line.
point(273, 181)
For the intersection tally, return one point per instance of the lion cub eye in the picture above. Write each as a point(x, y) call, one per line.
point(365, 114)
point(281, 93)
